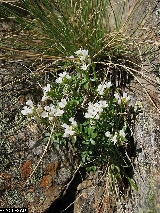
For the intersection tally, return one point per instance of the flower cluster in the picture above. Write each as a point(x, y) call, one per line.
point(69, 129)
point(84, 58)
point(114, 138)
point(28, 109)
point(102, 124)
point(94, 110)
point(52, 111)
point(122, 100)
point(102, 87)
point(47, 111)
point(62, 76)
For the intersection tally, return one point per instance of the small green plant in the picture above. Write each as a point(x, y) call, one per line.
point(87, 111)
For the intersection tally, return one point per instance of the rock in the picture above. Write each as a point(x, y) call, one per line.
point(21, 147)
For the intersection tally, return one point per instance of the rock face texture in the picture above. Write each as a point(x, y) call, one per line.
point(22, 145)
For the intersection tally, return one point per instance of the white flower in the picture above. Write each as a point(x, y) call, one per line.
point(73, 122)
point(114, 138)
point(68, 130)
point(91, 112)
point(47, 108)
point(102, 87)
point(62, 76)
point(59, 80)
point(125, 96)
point(52, 110)
point(44, 98)
point(63, 103)
point(68, 76)
point(103, 103)
point(108, 84)
point(116, 95)
point(47, 88)
point(45, 91)
point(44, 114)
point(97, 116)
point(78, 52)
point(26, 110)
point(97, 106)
point(108, 134)
point(82, 53)
point(29, 103)
point(122, 133)
point(84, 67)
point(119, 101)
point(83, 57)
point(94, 110)
point(101, 92)
point(64, 125)
point(71, 56)
point(50, 118)
point(59, 112)
point(88, 115)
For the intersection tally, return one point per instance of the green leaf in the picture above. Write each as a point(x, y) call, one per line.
point(86, 86)
point(133, 184)
point(47, 134)
point(94, 135)
point(92, 141)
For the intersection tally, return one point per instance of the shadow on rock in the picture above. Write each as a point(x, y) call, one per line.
point(65, 203)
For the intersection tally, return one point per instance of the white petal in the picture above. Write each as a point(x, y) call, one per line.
point(78, 52)
point(59, 80)
point(64, 125)
point(44, 98)
point(108, 84)
point(68, 76)
point(87, 115)
point(84, 67)
point(59, 112)
point(63, 103)
point(44, 114)
point(63, 74)
point(122, 133)
point(47, 108)
point(47, 88)
point(29, 103)
point(116, 95)
point(107, 134)
point(73, 122)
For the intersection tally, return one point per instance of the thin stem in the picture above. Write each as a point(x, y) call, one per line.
point(42, 156)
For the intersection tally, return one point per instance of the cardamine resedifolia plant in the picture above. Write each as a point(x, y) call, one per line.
point(90, 55)
point(86, 110)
